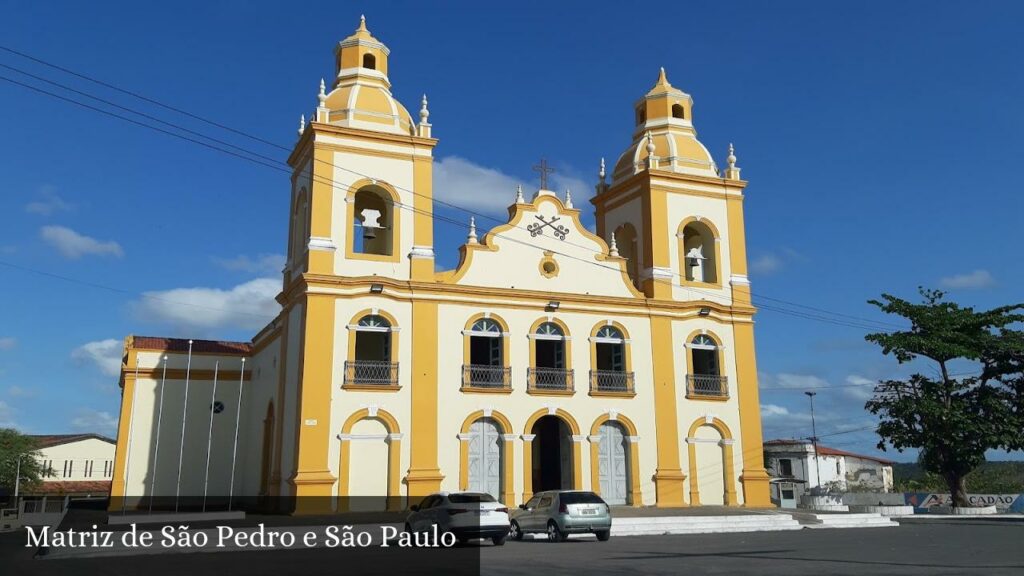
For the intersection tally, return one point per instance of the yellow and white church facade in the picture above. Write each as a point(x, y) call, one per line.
point(620, 361)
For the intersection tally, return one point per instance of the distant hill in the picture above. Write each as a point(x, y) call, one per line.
point(990, 478)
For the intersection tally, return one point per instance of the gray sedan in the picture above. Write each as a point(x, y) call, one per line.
point(559, 513)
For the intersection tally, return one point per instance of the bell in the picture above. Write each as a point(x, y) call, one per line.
point(369, 233)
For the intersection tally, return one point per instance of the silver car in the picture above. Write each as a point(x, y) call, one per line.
point(559, 513)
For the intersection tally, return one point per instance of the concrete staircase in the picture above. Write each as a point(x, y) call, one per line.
point(703, 524)
point(863, 520)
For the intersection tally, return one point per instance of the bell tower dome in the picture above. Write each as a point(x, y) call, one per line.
point(361, 92)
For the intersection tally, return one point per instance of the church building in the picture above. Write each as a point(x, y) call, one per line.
point(620, 361)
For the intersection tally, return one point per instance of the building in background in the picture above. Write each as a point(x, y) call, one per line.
point(79, 465)
point(791, 464)
point(552, 357)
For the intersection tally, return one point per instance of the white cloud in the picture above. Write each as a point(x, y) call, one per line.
point(8, 342)
point(771, 411)
point(7, 416)
point(860, 388)
point(103, 354)
point(250, 305)
point(766, 264)
point(19, 392)
point(969, 281)
point(89, 420)
point(74, 245)
point(261, 264)
point(789, 380)
point(467, 185)
point(48, 203)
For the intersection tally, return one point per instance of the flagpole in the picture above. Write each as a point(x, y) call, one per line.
point(128, 452)
point(209, 434)
point(184, 417)
point(156, 450)
point(234, 449)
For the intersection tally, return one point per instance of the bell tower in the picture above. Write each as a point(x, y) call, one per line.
point(362, 202)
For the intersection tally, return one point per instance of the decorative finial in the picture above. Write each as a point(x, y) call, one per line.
point(302, 124)
point(362, 23)
point(424, 113)
point(613, 250)
point(662, 78)
point(568, 198)
point(519, 194)
point(600, 173)
point(471, 239)
point(323, 92)
point(731, 158)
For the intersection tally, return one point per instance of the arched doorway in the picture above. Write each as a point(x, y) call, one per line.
point(710, 472)
point(552, 454)
point(486, 458)
point(368, 479)
point(613, 463)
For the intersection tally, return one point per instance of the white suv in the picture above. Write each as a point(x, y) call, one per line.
point(467, 515)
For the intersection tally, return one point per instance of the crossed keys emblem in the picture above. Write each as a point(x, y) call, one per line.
point(538, 229)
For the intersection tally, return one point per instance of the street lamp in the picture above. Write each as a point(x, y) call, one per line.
point(814, 441)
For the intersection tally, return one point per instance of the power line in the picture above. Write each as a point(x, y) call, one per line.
point(860, 323)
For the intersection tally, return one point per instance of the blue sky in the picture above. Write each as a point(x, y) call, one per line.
point(879, 139)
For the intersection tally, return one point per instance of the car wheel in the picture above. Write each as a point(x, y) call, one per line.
point(554, 534)
point(603, 535)
point(498, 540)
point(514, 531)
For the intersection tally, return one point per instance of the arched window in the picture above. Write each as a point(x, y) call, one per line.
point(705, 378)
point(371, 361)
point(699, 253)
point(300, 225)
point(610, 370)
point(641, 116)
point(678, 111)
point(486, 356)
point(550, 360)
point(369, 61)
point(626, 240)
point(373, 222)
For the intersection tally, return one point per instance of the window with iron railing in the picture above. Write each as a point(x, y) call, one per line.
point(490, 377)
point(707, 385)
point(549, 379)
point(611, 381)
point(371, 372)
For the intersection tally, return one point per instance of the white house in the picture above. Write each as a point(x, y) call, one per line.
point(792, 466)
point(79, 465)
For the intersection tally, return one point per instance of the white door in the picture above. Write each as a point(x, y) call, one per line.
point(485, 457)
point(612, 462)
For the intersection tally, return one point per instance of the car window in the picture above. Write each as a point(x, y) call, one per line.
point(580, 498)
point(470, 498)
point(545, 502)
point(532, 502)
point(429, 502)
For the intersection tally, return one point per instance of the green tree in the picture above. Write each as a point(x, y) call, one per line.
point(15, 447)
point(952, 421)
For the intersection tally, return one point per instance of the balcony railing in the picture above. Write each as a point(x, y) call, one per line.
point(489, 377)
point(371, 373)
point(611, 381)
point(707, 386)
point(549, 379)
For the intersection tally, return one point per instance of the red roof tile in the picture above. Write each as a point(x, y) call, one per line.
point(200, 346)
point(71, 487)
point(47, 440)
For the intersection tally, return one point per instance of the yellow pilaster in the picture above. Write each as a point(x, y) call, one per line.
point(754, 477)
point(634, 467)
point(668, 478)
point(656, 244)
point(463, 463)
point(118, 496)
point(508, 492)
point(313, 479)
point(321, 209)
point(394, 474)
point(737, 251)
point(577, 459)
point(527, 466)
point(730, 473)
point(595, 472)
point(691, 454)
point(422, 268)
point(424, 475)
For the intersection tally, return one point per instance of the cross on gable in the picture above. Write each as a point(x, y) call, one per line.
point(544, 170)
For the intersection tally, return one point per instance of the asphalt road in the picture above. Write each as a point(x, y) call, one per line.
point(917, 547)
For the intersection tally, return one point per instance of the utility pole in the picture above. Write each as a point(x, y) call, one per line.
point(17, 479)
point(814, 441)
